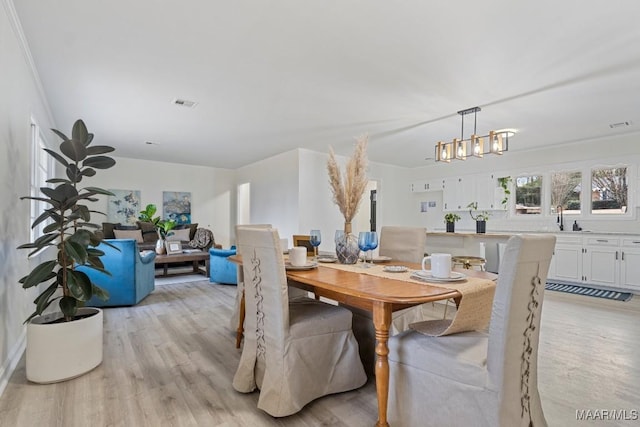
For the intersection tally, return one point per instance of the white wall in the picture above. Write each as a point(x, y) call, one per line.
point(274, 192)
point(20, 101)
point(212, 190)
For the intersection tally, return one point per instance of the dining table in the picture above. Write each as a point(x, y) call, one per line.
point(381, 294)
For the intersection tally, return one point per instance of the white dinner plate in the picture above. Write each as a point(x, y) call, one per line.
point(307, 266)
point(426, 275)
point(327, 259)
point(395, 269)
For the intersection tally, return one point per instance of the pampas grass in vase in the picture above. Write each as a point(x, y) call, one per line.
point(347, 192)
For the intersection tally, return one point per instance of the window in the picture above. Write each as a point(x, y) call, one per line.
point(528, 195)
point(609, 190)
point(566, 188)
point(41, 171)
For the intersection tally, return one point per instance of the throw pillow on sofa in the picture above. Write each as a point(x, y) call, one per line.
point(129, 234)
point(179, 235)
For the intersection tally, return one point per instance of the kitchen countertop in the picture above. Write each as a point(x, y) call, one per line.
point(503, 233)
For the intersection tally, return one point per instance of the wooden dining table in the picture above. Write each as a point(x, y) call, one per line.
point(379, 295)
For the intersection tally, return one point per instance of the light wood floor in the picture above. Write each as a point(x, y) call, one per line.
point(170, 360)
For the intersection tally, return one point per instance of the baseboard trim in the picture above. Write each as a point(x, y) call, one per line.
point(9, 365)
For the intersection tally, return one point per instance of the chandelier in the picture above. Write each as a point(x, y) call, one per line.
point(495, 142)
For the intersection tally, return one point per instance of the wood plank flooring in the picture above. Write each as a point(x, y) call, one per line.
point(170, 360)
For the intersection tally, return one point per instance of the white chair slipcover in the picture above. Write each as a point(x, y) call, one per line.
point(478, 378)
point(403, 244)
point(294, 351)
point(235, 315)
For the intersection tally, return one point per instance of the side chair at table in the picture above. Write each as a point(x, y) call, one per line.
point(479, 378)
point(294, 351)
point(401, 244)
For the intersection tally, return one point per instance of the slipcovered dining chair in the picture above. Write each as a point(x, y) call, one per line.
point(403, 244)
point(234, 321)
point(479, 378)
point(294, 351)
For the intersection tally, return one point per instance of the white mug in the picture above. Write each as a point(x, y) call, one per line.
point(298, 256)
point(440, 265)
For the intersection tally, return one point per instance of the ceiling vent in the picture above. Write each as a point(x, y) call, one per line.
point(619, 125)
point(184, 103)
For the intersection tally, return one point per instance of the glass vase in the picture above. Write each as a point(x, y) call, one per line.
point(347, 249)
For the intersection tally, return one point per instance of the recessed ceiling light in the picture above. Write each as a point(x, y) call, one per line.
point(620, 124)
point(184, 102)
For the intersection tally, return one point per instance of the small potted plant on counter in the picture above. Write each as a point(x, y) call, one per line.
point(450, 219)
point(480, 217)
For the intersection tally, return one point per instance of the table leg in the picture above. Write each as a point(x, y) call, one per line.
point(196, 266)
point(381, 322)
point(241, 314)
point(207, 267)
point(164, 273)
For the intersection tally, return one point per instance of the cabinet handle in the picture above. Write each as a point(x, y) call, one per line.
point(602, 240)
point(622, 255)
point(616, 255)
point(636, 241)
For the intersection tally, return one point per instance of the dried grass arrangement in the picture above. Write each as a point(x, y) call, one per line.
point(347, 193)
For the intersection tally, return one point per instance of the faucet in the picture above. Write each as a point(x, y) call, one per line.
point(560, 218)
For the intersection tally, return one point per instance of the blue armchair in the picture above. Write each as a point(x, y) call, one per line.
point(132, 274)
point(221, 270)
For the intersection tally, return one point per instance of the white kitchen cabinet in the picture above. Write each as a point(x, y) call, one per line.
point(485, 192)
point(630, 263)
point(425, 185)
point(454, 193)
point(600, 261)
point(567, 259)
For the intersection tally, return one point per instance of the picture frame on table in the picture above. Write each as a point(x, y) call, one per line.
point(173, 247)
point(303, 240)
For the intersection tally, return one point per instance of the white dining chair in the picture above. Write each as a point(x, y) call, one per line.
point(234, 321)
point(402, 244)
point(478, 378)
point(295, 350)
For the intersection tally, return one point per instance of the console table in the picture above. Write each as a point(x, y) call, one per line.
point(194, 257)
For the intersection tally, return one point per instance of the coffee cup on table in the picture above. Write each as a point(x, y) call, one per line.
point(298, 256)
point(440, 265)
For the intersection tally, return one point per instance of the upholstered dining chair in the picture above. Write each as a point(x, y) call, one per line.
point(403, 244)
point(294, 351)
point(479, 378)
point(236, 315)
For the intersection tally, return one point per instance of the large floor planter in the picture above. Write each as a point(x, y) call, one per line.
point(61, 351)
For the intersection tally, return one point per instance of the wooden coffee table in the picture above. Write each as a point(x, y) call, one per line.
point(194, 257)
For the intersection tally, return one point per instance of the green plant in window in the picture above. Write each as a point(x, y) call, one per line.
point(504, 184)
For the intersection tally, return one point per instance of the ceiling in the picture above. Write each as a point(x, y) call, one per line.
point(270, 76)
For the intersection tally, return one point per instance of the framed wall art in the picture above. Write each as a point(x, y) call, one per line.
point(176, 205)
point(123, 207)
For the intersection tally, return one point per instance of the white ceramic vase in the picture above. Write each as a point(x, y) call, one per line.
point(64, 350)
point(160, 248)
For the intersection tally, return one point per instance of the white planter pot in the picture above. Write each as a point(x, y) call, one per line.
point(61, 351)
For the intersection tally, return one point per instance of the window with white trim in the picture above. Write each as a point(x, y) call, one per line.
point(41, 170)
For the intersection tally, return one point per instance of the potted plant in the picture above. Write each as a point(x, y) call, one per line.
point(450, 219)
point(504, 185)
point(65, 344)
point(480, 217)
point(163, 227)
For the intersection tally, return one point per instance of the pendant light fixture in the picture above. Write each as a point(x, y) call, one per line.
point(496, 142)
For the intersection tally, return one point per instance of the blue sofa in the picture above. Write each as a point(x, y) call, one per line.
point(132, 274)
point(221, 270)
